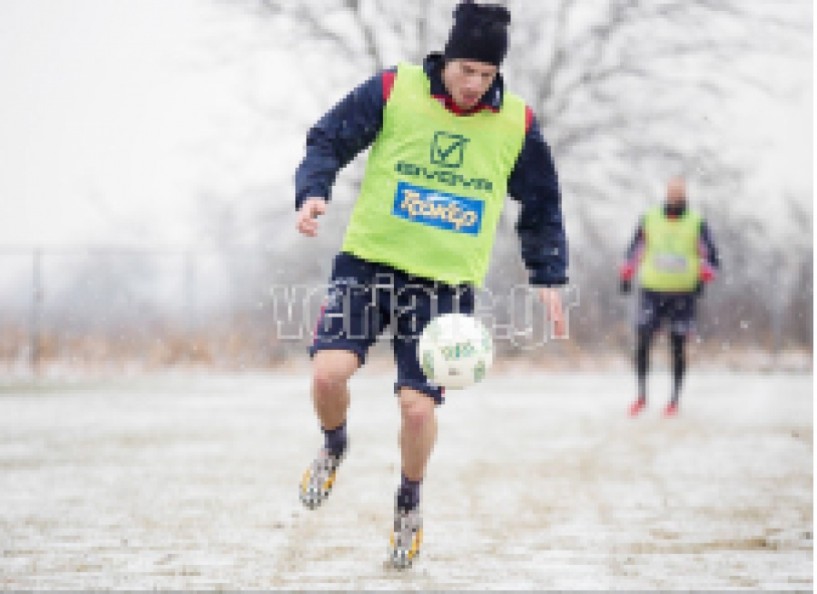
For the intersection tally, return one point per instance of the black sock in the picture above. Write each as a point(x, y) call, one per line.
point(642, 361)
point(408, 495)
point(335, 439)
point(677, 342)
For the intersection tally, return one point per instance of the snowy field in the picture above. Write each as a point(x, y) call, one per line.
point(538, 482)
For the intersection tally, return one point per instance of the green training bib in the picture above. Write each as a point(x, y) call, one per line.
point(435, 184)
point(671, 261)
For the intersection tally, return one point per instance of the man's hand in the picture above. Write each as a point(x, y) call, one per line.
point(706, 273)
point(625, 277)
point(552, 301)
point(308, 214)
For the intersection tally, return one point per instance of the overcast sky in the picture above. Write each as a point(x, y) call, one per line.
point(101, 108)
point(109, 111)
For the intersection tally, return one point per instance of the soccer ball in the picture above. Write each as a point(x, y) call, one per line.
point(455, 351)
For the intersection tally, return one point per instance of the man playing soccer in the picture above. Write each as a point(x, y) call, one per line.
point(448, 144)
point(674, 254)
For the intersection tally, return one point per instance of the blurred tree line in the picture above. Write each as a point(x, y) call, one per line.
point(628, 93)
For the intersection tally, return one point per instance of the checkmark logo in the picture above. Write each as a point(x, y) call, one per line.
point(448, 150)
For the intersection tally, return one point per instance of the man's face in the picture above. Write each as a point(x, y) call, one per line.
point(467, 81)
point(676, 192)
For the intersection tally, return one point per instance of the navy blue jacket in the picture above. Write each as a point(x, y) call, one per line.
point(353, 124)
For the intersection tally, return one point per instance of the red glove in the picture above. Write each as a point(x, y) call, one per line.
point(707, 273)
point(626, 271)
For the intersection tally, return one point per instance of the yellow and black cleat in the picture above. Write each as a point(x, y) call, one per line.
point(406, 538)
point(318, 479)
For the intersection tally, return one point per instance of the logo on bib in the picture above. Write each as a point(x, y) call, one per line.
point(438, 209)
point(672, 263)
point(448, 150)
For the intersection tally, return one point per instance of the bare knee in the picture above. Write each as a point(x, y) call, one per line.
point(332, 373)
point(328, 381)
point(417, 411)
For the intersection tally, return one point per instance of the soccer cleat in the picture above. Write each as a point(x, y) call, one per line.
point(637, 406)
point(671, 410)
point(318, 479)
point(406, 537)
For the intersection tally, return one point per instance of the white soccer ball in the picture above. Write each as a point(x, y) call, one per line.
point(455, 351)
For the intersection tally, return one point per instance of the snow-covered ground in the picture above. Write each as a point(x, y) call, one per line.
point(538, 481)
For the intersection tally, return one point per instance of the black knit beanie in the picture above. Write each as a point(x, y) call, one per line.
point(480, 33)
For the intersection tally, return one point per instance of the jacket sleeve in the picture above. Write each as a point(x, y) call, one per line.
point(343, 132)
point(636, 247)
point(632, 258)
point(534, 184)
point(707, 247)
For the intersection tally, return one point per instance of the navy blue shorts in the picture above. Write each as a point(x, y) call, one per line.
point(366, 300)
point(676, 309)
